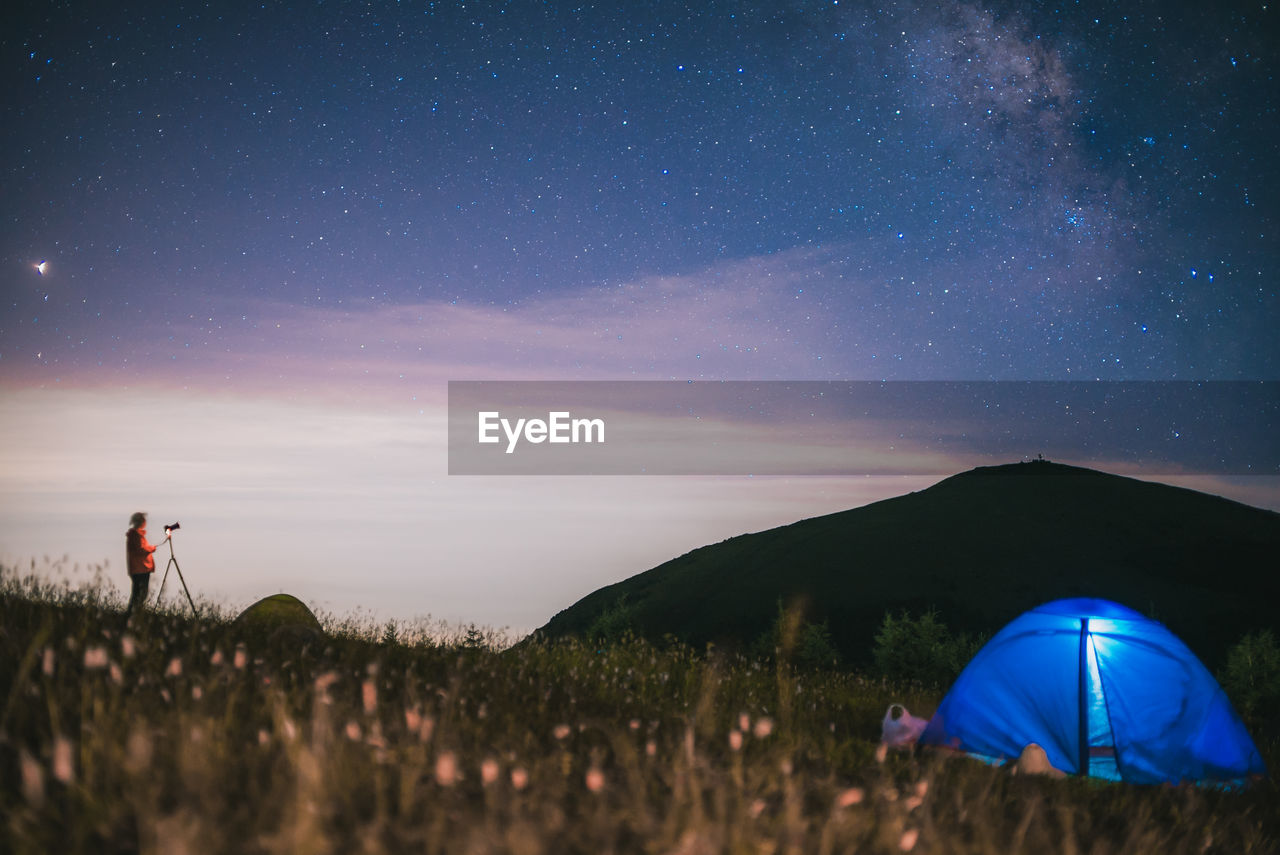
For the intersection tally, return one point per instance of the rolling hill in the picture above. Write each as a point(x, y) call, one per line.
point(980, 547)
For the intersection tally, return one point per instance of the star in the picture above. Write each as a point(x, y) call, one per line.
point(41, 267)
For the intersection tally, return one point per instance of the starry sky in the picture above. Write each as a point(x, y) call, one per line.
point(271, 234)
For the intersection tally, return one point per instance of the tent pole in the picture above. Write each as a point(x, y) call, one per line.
point(1083, 687)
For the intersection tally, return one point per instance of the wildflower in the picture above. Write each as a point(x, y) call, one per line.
point(128, 646)
point(489, 771)
point(757, 808)
point(137, 752)
point(323, 682)
point(426, 729)
point(369, 695)
point(651, 748)
point(196, 693)
point(353, 731)
point(519, 778)
point(174, 669)
point(62, 769)
point(908, 840)
point(851, 796)
point(446, 769)
point(117, 676)
point(290, 732)
point(635, 724)
point(744, 722)
point(562, 731)
point(242, 657)
point(48, 661)
point(263, 736)
point(735, 739)
point(32, 779)
point(95, 657)
point(216, 658)
point(595, 780)
point(763, 728)
point(882, 751)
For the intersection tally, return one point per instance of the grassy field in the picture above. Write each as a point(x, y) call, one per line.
point(186, 736)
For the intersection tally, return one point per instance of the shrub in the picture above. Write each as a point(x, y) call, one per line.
point(1251, 677)
point(615, 623)
point(799, 642)
point(922, 649)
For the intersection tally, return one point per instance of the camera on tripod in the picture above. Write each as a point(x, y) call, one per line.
point(173, 563)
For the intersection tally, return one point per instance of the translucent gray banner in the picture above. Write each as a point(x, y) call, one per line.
point(859, 428)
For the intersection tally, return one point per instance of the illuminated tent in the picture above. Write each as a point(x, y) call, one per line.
point(1104, 691)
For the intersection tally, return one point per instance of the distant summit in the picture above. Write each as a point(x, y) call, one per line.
point(981, 547)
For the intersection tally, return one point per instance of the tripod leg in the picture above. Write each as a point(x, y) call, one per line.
point(160, 593)
point(194, 613)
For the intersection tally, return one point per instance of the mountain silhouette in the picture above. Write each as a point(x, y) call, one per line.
point(980, 547)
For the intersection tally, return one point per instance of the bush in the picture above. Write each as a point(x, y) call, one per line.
point(614, 624)
point(1251, 677)
point(796, 641)
point(922, 649)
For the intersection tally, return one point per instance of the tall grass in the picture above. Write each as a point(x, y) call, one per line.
point(178, 735)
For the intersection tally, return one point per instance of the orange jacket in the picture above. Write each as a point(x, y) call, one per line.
point(138, 552)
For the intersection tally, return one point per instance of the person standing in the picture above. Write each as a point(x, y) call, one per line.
point(139, 560)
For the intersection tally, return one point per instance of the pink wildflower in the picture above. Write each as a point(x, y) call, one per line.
point(32, 779)
point(851, 796)
point(519, 778)
point(446, 769)
point(62, 760)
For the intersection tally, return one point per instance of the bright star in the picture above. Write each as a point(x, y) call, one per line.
point(41, 267)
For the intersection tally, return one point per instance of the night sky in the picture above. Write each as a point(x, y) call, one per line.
point(278, 231)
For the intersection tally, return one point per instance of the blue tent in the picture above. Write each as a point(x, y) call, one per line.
point(1104, 691)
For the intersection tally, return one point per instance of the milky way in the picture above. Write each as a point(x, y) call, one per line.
point(970, 191)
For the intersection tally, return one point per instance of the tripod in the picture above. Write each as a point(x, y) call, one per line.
point(173, 562)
